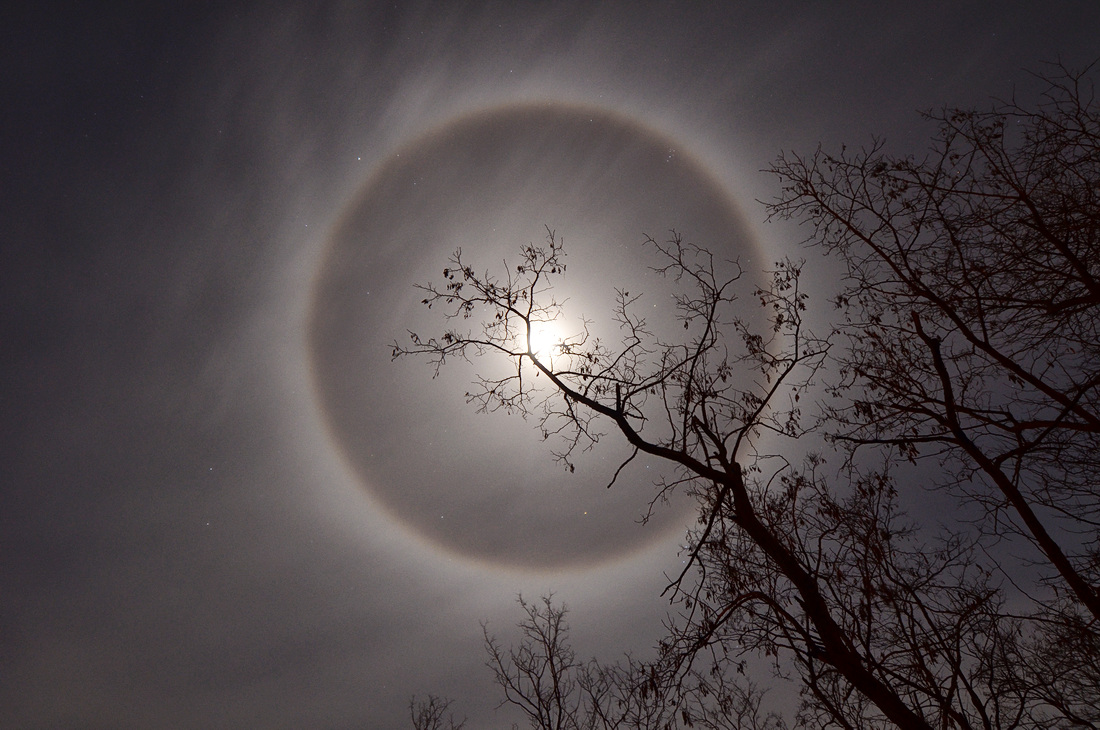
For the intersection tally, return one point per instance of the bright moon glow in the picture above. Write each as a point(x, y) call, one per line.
point(545, 340)
point(608, 178)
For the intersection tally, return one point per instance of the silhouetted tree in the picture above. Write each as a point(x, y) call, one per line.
point(972, 313)
point(542, 676)
point(433, 713)
point(966, 358)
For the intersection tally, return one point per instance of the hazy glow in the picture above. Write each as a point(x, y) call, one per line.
point(544, 340)
point(480, 487)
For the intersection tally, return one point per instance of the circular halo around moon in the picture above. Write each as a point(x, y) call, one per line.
point(485, 486)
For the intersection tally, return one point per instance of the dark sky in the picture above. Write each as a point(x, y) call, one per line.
point(218, 497)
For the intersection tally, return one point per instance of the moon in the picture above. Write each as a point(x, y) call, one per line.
point(544, 339)
point(485, 487)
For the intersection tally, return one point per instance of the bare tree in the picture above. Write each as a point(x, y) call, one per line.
point(973, 318)
point(542, 676)
point(697, 404)
point(967, 345)
point(433, 713)
point(972, 307)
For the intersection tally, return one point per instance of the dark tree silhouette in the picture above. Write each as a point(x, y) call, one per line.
point(541, 676)
point(544, 679)
point(972, 313)
point(972, 307)
point(433, 713)
point(966, 357)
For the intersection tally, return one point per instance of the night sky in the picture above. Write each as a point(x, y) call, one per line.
point(221, 505)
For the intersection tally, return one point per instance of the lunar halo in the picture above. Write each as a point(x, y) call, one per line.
point(484, 486)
